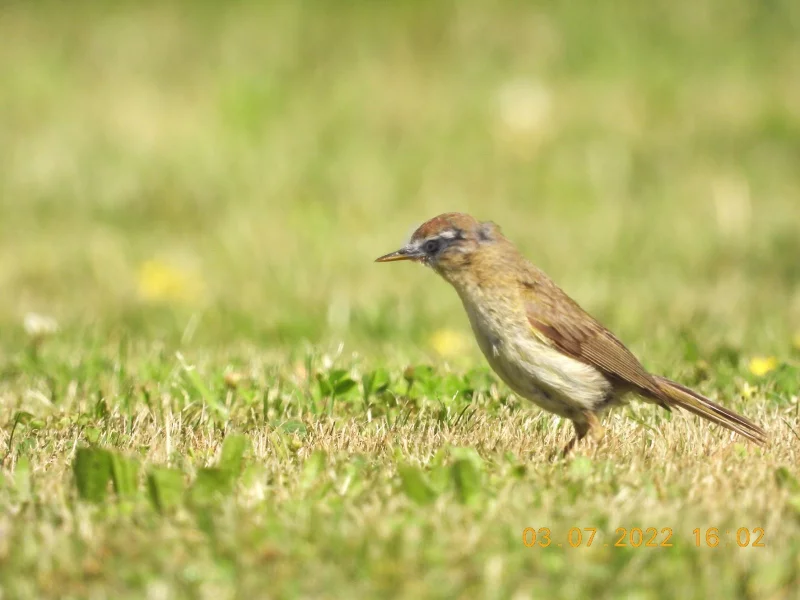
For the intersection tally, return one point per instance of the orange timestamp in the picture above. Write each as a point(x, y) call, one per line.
point(742, 537)
point(636, 537)
point(577, 537)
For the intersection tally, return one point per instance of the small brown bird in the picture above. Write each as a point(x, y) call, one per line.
point(537, 339)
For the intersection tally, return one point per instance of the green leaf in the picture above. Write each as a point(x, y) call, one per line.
point(439, 477)
point(469, 454)
point(92, 434)
point(786, 480)
point(368, 384)
point(165, 487)
point(294, 427)
point(205, 520)
point(466, 476)
point(313, 467)
point(343, 386)
point(211, 485)
point(22, 478)
point(190, 374)
point(125, 475)
point(254, 474)
point(336, 375)
point(92, 469)
point(232, 457)
point(325, 386)
point(415, 485)
point(421, 373)
point(375, 382)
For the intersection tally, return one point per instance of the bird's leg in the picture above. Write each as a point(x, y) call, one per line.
point(596, 430)
point(589, 424)
point(581, 429)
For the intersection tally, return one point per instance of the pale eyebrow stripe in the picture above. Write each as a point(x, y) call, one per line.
point(411, 233)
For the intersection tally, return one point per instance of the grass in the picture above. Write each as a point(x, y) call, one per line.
point(195, 195)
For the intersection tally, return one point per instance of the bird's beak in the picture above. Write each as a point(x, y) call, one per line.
point(406, 253)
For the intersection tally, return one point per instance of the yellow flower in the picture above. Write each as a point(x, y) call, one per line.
point(761, 365)
point(447, 342)
point(160, 281)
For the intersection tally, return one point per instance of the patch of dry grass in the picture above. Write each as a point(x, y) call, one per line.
point(320, 506)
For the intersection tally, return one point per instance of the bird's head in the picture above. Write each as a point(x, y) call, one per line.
point(449, 244)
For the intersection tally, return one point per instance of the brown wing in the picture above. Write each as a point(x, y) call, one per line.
point(576, 333)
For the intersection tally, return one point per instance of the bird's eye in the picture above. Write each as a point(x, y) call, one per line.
point(431, 247)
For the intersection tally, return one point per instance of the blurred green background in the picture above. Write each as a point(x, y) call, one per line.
point(227, 172)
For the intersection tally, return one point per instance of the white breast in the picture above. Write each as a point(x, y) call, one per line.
point(533, 369)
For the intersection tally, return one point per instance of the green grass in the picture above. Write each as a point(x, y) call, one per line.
point(196, 194)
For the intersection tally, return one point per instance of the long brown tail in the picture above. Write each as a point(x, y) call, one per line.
point(683, 397)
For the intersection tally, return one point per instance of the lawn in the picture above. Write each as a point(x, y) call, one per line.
point(207, 387)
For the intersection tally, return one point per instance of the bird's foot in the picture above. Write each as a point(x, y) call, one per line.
point(591, 426)
point(596, 430)
point(569, 447)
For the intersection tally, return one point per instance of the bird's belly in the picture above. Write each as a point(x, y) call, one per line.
point(536, 371)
